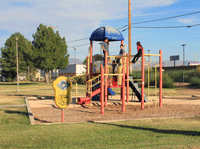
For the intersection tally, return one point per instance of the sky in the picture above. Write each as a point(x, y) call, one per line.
point(77, 19)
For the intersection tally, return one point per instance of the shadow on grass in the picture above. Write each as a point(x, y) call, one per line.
point(15, 83)
point(39, 97)
point(16, 112)
point(42, 121)
point(176, 132)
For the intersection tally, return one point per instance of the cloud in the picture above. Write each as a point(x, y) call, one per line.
point(191, 20)
point(75, 19)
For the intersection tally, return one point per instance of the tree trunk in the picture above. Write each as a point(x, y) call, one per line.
point(47, 76)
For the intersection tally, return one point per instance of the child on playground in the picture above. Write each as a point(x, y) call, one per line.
point(121, 52)
point(139, 52)
point(105, 47)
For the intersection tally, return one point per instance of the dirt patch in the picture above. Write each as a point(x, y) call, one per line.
point(114, 112)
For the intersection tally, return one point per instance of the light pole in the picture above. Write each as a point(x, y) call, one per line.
point(183, 60)
point(183, 53)
point(75, 54)
point(16, 39)
point(195, 57)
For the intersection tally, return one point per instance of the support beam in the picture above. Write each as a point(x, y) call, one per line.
point(160, 85)
point(142, 86)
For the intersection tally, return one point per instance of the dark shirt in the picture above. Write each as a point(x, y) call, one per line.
point(121, 52)
point(106, 47)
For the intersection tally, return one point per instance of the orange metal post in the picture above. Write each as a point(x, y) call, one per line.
point(87, 71)
point(123, 87)
point(160, 87)
point(91, 65)
point(106, 78)
point(142, 86)
point(102, 90)
point(127, 78)
point(90, 59)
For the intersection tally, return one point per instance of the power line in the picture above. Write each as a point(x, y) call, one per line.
point(160, 9)
point(79, 45)
point(162, 19)
point(77, 40)
point(188, 26)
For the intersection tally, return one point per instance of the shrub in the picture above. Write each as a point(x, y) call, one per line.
point(168, 82)
point(195, 82)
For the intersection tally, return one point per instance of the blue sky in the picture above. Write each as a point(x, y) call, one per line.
point(77, 19)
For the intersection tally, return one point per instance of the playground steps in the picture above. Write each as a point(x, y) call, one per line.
point(95, 92)
point(86, 100)
point(83, 100)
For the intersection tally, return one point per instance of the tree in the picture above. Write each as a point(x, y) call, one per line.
point(50, 50)
point(9, 61)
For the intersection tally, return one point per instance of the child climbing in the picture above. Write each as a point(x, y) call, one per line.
point(139, 52)
point(121, 52)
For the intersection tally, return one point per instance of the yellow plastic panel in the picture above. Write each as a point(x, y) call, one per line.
point(62, 87)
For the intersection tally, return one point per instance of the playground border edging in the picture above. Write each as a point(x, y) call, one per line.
point(30, 114)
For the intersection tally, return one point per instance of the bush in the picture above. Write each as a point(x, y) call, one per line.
point(82, 80)
point(195, 82)
point(168, 82)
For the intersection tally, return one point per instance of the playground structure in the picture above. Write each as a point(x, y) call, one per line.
point(101, 82)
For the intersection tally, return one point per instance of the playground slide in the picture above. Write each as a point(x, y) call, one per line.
point(136, 90)
point(97, 97)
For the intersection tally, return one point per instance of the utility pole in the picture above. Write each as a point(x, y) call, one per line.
point(16, 39)
point(129, 32)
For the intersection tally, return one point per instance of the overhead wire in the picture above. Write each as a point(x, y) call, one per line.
point(79, 45)
point(160, 9)
point(77, 40)
point(188, 26)
point(167, 18)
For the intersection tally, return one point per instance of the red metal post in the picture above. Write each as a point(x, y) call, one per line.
point(106, 78)
point(87, 72)
point(102, 90)
point(160, 87)
point(142, 86)
point(91, 65)
point(123, 89)
point(127, 78)
point(62, 110)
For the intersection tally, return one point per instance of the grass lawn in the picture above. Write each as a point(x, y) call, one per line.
point(16, 132)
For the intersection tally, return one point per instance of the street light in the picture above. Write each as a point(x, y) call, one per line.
point(75, 54)
point(195, 57)
point(183, 53)
point(183, 60)
point(16, 39)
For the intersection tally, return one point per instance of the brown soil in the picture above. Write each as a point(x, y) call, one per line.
point(171, 108)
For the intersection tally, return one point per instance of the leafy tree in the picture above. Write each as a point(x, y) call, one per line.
point(50, 50)
point(9, 61)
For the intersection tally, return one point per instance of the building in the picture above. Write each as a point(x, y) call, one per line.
point(193, 63)
point(72, 70)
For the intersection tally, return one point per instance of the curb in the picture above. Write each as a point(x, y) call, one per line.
point(30, 114)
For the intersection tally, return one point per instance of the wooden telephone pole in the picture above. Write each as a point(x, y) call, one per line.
point(129, 32)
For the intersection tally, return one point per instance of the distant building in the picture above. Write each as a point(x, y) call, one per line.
point(72, 70)
point(193, 63)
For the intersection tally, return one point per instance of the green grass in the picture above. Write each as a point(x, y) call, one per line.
point(16, 132)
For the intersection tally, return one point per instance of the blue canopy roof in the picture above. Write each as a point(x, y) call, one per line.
point(106, 32)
